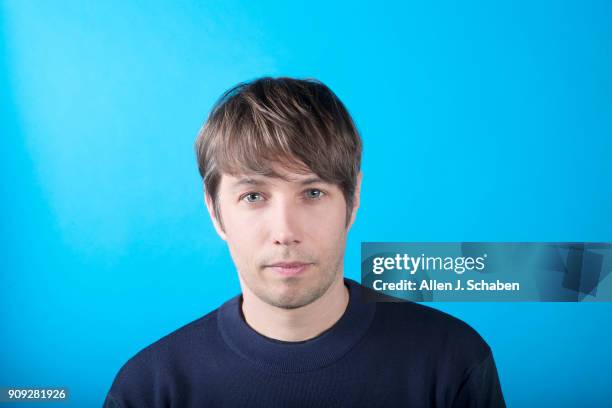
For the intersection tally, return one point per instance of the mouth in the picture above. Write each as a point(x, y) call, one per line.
point(289, 269)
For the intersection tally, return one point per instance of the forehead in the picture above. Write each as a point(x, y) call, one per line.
point(286, 178)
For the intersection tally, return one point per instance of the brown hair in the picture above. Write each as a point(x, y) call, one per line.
point(300, 124)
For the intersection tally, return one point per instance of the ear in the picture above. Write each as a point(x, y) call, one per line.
point(211, 212)
point(356, 199)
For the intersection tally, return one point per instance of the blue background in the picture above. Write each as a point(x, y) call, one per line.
point(481, 121)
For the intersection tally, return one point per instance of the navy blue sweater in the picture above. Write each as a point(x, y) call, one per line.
point(377, 355)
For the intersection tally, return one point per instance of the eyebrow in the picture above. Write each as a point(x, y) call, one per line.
point(251, 181)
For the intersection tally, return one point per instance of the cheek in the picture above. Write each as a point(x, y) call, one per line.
point(243, 252)
point(333, 216)
point(328, 227)
point(242, 237)
point(239, 223)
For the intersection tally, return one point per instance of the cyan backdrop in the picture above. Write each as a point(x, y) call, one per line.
point(481, 121)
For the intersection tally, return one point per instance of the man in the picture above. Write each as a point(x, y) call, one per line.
point(280, 160)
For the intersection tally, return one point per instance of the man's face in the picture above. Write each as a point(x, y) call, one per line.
point(271, 225)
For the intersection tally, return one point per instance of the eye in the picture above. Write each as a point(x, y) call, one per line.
point(251, 197)
point(314, 193)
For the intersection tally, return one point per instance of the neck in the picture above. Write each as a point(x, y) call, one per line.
point(298, 324)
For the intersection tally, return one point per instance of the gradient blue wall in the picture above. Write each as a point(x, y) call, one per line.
point(482, 121)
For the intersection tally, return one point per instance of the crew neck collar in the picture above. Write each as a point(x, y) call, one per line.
point(300, 356)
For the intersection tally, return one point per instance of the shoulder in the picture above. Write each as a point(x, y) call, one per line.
point(180, 341)
point(401, 322)
point(432, 330)
point(174, 352)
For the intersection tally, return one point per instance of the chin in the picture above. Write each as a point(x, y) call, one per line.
point(296, 295)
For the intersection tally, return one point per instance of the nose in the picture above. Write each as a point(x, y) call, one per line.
point(285, 223)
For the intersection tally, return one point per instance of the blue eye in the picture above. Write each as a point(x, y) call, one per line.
point(251, 197)
point(314, 193)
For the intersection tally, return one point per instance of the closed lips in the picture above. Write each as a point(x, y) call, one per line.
point(289, 264)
